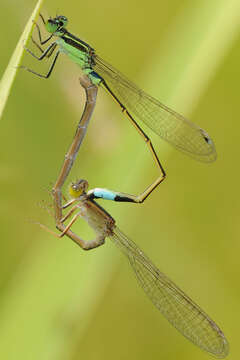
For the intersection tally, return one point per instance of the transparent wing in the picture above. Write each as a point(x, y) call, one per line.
point(177, 307)
point(169, 125)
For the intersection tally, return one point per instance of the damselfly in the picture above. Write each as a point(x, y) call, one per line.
point(172, 302)
point(135, 103)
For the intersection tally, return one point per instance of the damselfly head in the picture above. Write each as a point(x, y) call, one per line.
point(78, 188)
point(56, 24)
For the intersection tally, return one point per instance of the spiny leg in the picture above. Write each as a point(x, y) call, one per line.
point(49, 71)
point(50, 49)
point(39, 47)
point(42, 42)
point(36, 44)
point(85, 245)
point(43, 20)
point(70, 202)
point(65, 230)
point(48, 207)
point(71, 222)
point(69, 213)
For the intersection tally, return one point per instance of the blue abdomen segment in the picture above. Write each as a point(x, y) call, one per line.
point(94, 77)
point(104, 194)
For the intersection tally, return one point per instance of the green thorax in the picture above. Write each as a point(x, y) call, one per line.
point(78, 55)
point(76, 49)
point(79, 52)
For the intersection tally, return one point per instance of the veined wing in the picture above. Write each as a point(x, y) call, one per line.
point(169, 125)
point(177, 307)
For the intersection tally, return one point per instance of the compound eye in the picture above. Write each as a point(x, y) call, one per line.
point(51, 26)
point(63, 21)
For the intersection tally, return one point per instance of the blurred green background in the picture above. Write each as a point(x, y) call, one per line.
point(59, 302)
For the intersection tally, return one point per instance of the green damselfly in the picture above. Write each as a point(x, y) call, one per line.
point(184, 314)
point(135, 103)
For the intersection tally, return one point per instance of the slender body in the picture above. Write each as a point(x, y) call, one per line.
point(185, 315)
point(176, 306)
point(91, 95)
point(135, 103)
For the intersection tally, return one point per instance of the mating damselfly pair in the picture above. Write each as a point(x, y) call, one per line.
point(176, 306)
point(135, 103)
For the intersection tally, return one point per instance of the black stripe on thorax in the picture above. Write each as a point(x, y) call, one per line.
point(75, 44)
point(75, 41)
